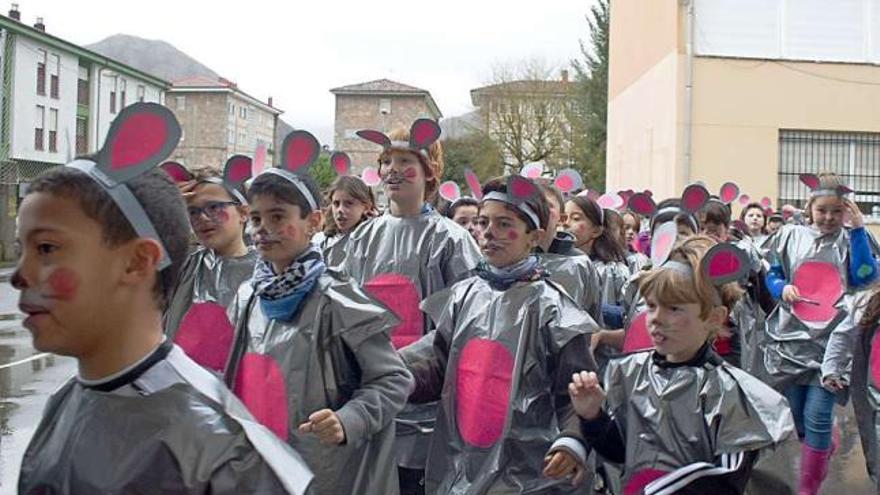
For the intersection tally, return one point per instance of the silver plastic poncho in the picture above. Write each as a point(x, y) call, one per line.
point(613, 276)
point(503, 360)
point(334, 250)
point(677, 416)
point(174, 429)
point(400, 261)
point(797, 335)
point(636, 262)
point(578, 277)
point(854, 351)
point(196, 318)
point(335, 354)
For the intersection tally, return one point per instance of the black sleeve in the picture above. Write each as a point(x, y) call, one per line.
point(573, 358)
point(604, 435)
point(426, 359)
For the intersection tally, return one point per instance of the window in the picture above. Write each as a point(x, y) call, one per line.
point(82, 87)
point(180, 102)
point(231, 108)
point(123, 87)
point(242, 138)
point(141, 92)
point(39, 123)
point(41, 72)
point(855, 156)
point(54, 71)
point(243, 112)
point(82, 137)
point(53, 130)
point(385, 106)
point(113, 91)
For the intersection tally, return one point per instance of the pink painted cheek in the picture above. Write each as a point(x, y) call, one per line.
point(410, 173)
point(512, 235)
point(64, 284)
point(222, 216)
point(290, 232)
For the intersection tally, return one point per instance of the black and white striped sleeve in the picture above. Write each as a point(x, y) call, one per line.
point(727, 476)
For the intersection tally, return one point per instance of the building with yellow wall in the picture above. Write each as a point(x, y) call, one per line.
point(753, 91)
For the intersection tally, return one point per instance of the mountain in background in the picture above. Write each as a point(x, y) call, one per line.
point(155, 57)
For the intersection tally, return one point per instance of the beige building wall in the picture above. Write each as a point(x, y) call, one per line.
point(354, 113)
point(740, 106)
point(645, 110)
point(202, 117)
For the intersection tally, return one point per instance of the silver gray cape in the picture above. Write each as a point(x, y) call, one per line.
point(335, 354)
point(502, 363)
point(409, 259)
point(175, 429)
point(196, 318)
point(674, 417)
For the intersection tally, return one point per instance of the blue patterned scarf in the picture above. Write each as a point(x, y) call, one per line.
point(527, 270)
point(282, 294)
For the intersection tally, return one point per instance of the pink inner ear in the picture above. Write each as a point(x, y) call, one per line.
point(140, 137)
point(341, 163)
point(819, 281)
point(239, 170)
point(744, 199)
point(723, 263)
point(520, 188)
point(205, 335)
point(482, 391)
point(532, 171)
point(176, 171)
point(424, 132)
point(637, 337)
point(606, 201)
point(370, 176)
point(729, 192)
point(259, 384)
point(875, 358)
point(259, 159)
point(301, 152)
point(641, 204)
point(810, 180)
point(474, 184)
point(765, 202)
point(694, 197)
point(565, 183)
point(449, 191)
point(662, 245)
point(401, 296)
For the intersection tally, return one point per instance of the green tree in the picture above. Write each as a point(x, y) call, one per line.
point(322, 172)
point(590, 109)
point(475, 151)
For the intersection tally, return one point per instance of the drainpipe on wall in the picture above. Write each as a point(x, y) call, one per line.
point(689, 91)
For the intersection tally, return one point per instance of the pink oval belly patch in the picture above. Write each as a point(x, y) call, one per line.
point(819, 282)
point(259, 384)
point(205, 334)
point(482, 391)
point(400, 295)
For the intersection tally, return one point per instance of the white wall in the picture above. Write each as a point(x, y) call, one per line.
point(100, 116)
point(814, 30)
point(25, 100)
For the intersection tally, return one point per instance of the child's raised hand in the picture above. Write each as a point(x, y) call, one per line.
point(560, 464)
point(791, 294)
point(326, 425)
point(586, 394)
point(856, 219)
point(186, 188)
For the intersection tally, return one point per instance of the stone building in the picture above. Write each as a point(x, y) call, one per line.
point(382, 105)
point(219, 120)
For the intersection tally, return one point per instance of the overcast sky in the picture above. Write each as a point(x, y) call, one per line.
point(296, 51)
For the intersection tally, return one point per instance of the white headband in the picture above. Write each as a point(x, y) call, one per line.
point(521, 206)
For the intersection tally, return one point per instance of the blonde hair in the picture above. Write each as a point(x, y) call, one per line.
point(670, 287)
point(432, 165)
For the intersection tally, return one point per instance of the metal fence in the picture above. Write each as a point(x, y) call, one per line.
point(854, 156)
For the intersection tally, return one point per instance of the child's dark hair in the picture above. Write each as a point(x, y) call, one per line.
point(354, 187)
point(716, 212)
point(606, 247)
point(201, 174)
point(159, 198)
point(753, 206)
point(673, 213)
point(549, 189)
point(283, 190)
point(538, 203)
point(458, 203)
